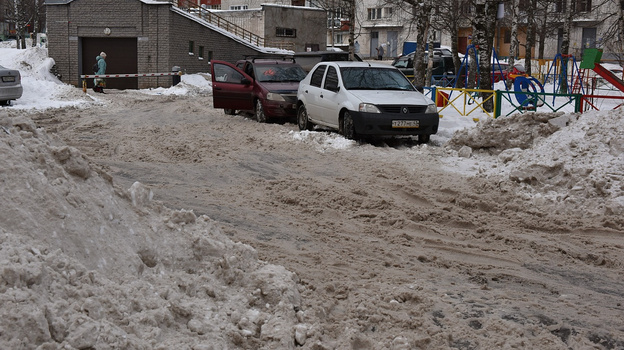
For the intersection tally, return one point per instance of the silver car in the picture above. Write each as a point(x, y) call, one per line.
point(10, 85)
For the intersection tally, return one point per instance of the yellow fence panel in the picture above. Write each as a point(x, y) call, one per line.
point(462, 101)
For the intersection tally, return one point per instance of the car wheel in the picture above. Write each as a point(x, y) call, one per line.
point(302, 118)
point(348, 130)
point(260, 116)
point(424, 138)
point(229, 111)
point(5, 103)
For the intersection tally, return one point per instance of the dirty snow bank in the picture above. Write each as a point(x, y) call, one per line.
point(574, 162)
point(87, 265)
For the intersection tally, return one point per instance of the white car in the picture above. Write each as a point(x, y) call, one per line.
point(361, 99)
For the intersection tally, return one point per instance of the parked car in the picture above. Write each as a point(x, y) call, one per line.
point(10, 85)
point(308, 59)
point(361, 99)
point(500, 71)
point(442, 63)
point(266, 87)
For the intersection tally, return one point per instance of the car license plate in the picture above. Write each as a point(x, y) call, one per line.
point(8, 79)
point(405, 124)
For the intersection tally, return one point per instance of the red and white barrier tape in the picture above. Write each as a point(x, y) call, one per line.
point(129, 75)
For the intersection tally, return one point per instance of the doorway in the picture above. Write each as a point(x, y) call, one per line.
point(393, 42)
point(121, 58)
point(374, 44)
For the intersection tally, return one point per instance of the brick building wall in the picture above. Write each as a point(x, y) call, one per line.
point(309, 24)
point(216, 45)
point(162, 35)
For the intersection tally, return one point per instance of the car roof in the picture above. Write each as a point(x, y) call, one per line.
point(269, 62)
point(358, 64)
point(319, 53)
point(268, 59)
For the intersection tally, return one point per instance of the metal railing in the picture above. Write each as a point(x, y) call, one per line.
point(589, 102)
point(538, 100)
point(472, 102)
point(466, 102)
point(191, 7)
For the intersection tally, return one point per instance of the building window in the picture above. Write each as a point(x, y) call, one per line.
point(507, 36)
point(210, 56)
point(191, 47)
point(338, 38)
point(583, 6)
point(239, 7)
point(201, 53)
point(374, 13)
point(466, 8)
point(286, 32)
point(388, 12)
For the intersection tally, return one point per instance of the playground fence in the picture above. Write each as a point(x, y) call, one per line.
point(590, 102)
point(536, 101)
point(465, 102)
point(470, 103)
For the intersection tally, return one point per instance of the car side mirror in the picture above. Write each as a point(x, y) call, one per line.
point(245, 81)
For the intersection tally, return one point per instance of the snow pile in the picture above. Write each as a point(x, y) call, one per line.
point(190, 85)
point(87, 265)
point(574, 162)
point(42, 90)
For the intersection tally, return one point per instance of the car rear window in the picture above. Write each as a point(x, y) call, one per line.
point(279, 73)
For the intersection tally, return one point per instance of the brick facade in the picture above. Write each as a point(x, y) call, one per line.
point(162, 35)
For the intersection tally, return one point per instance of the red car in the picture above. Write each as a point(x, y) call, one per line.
point(266, 87)
point(517, 70)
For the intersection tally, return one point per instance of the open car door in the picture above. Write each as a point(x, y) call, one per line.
point(231, 87)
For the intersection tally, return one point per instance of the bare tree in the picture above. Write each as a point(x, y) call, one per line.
point(430, 53)
point(352, 20)
point(613, 35)
point(483, 30)
point(347, 8)
point(530, 35)
point(546, 20)
point(26, 17)
point(423, 10)
point(565, 42)
point(419, 15)
point(451, 14)
point(513, 48)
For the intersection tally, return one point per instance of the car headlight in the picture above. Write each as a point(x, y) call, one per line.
point(368, 108)
point(432, 109)
point(274, 97)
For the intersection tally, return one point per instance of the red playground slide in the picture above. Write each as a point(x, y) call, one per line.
point(591, 60)
point(607, 74)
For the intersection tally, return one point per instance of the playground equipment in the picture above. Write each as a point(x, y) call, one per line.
point(591, 60)
point(531, 85)
point(560, 74)
point(463, 69)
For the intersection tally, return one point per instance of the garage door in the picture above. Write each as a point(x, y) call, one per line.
point(121, 58)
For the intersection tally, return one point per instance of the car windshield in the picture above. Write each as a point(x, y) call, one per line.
point(519, 68)
point(367, 78)
point(401, 62)
point(279, 73)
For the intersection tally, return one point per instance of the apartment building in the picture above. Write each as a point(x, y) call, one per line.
point(378, 23)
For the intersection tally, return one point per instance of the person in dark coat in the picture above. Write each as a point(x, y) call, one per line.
point(99, 83)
